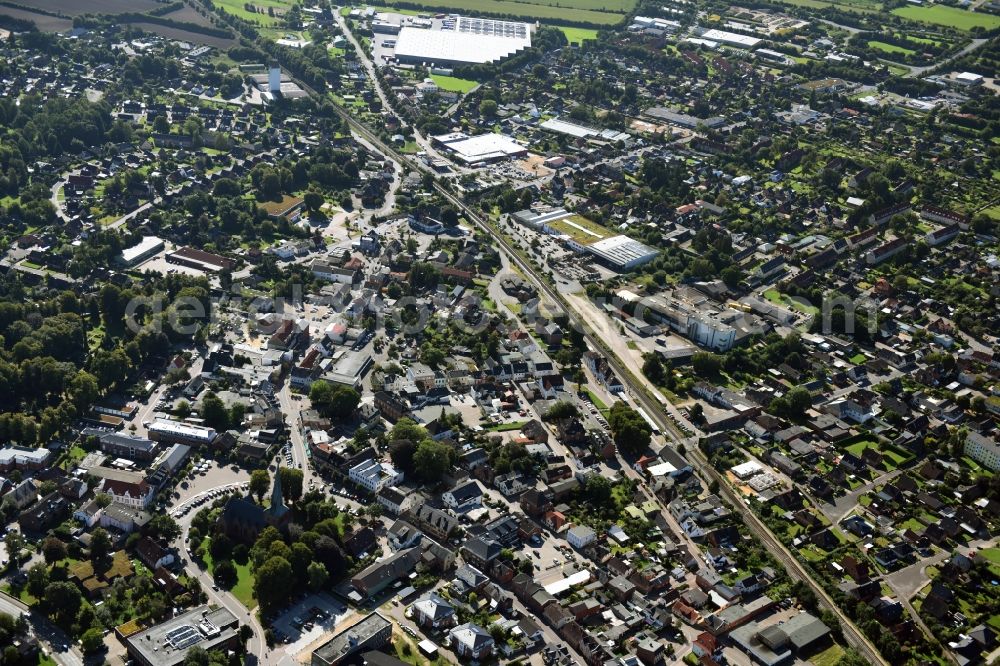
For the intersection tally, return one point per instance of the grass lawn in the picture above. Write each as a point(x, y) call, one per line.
point(453, 83)
point(948, 16)
point(243, 589)
point(778, 298)
point(828, 657)
point(578, 35)
point(991, 554)
point(890, 48)
point(594, 399)
point(24, 596)
point(858, 359)
point(580, 229)
point(506, 427)
point(812, 554)
point(890, 457)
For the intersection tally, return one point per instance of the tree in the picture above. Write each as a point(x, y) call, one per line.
point(53, 549)
point(334, 402)
point(224, 573)
point(318, 576)
point(432, 460)
point(214, 412)
point(100, 545)
point(103, 500)
point(92, 640)
point(313, 200)
point(630, 431)
point(82, 389)
point(291, 483)
point(163, 526)
point(401, 452)
point(260, 483)
point(182, 409)
point(271, 583)
point(652, 367)
point(706, 364)
point(63, 600)
point(38, 580)
point(488, 108)
point(14, 543)
point(562, 409)
point(597, 490)
point(696, 412)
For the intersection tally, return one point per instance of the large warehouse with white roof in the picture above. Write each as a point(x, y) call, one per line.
point(462, 40)
point(480, 149)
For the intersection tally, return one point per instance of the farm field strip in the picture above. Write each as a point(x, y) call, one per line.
point(948, 16)
point(522, 9)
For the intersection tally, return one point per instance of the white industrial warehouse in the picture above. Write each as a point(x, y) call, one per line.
point(621, 253)
point(462, 40)
point(480, 149)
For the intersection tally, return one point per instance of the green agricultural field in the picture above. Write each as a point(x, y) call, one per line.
point(579, 35)
point(924, 40)
point(948, 16)
point(857, 6)
point(890, 48)
point(238, 8)
point(453, 84)
point(577, 12)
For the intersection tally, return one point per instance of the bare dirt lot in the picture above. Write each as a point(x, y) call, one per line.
point(188, 14)
point(41, 21)
point(186, 36)
point(71, 8)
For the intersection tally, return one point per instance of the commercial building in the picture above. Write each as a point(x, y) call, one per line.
point(462, 40)
point(730, 38)
point(23, 458)
point(480, 149)
point(167, 643)
point(371, 633)
point(147, 247)
point(200, 260)
point(983, 450)
point(969, 79)
point(128, 446)
point(581, 536)
point(162, 430)
point(374, 475)
point(621, 253)
point(683, 119)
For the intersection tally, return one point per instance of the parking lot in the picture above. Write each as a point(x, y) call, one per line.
point(204, 480)
point(193, 503)
point(307, 620)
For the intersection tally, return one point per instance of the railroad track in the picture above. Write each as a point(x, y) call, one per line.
point(653, 407)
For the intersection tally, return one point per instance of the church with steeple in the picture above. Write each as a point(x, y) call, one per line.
point(243, 520)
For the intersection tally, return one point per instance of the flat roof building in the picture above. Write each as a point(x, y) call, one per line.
point(162, 430)
point(167, 643)
point(480, 149)
point(371, 633)
point(730, 38)
point(462, 40)
point(147, 247)
point(621, 253)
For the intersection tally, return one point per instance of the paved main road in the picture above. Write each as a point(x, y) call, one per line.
point(256, 648)
point(52, 638)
